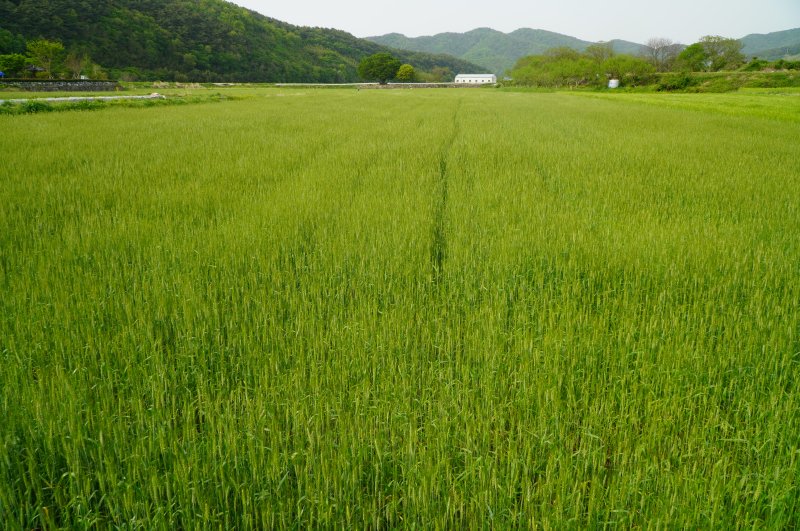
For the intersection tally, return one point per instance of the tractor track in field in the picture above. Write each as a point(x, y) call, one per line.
point(438, 249)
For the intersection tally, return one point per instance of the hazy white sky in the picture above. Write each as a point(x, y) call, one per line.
point(634, 20)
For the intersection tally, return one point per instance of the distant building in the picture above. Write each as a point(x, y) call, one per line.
point(476, 78)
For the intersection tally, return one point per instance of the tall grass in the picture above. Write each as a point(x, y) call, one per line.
point(383, 309)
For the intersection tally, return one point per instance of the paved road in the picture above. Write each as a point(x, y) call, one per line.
point(153, 96)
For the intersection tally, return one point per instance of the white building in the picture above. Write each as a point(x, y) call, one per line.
point(476, 78)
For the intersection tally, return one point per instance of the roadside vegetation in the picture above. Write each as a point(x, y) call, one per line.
point(402, 309)
point(28, 105)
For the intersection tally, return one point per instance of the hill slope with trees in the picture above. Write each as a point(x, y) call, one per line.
point(196, 40)
point(772, 46)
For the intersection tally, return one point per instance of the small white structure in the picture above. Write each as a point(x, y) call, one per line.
point(613, 83)
point(480, 79)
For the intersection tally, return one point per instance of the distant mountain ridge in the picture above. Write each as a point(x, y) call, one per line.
point(775, 45)
point(494, 49)
point(498, 51)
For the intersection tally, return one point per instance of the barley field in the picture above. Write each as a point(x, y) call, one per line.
point(441, 309)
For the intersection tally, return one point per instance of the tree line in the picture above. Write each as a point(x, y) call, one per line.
point(384, 67)
point(559, 67)
point(48, 59)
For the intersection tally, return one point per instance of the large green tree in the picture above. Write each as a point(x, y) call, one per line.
point(406, 73)
point(380, 67)
point(712, 53)
point(13, 64)
point(693, 58)
point(723, 53)
point(45, 54)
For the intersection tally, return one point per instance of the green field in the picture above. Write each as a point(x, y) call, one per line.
point(402, 309)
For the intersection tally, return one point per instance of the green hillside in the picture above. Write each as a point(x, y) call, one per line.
point(492, 49)
point(198, 40)
point(772, 46)
point(627, 47)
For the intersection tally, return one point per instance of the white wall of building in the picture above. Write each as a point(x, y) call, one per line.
point(476, 78)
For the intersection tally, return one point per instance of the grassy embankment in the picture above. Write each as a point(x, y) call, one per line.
point(401, 308)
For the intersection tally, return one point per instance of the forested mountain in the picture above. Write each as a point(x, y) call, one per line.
point(493, 49)
point(499, 51)
point(198, 40)
point(771, 46)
